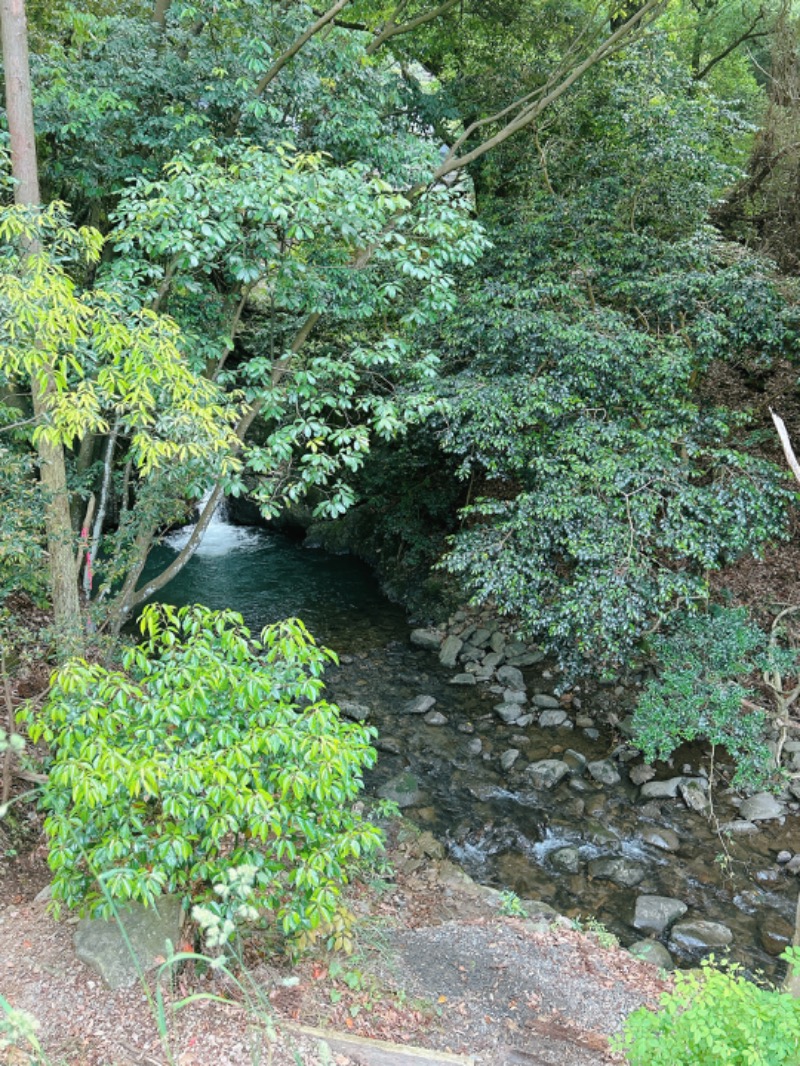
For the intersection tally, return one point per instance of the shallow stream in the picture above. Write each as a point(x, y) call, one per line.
point(502, 831)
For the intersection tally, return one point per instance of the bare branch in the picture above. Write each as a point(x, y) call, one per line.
point(748, 35)
point(531, 111)
point(302, 40)
point(391, 29)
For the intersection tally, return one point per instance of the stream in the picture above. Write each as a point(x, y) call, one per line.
point(585, 847)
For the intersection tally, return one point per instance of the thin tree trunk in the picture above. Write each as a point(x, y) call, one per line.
point(52, 468)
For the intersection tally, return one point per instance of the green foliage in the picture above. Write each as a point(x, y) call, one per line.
point(511, 905)
point(705, 670)
point(212, 752)
point(604, 484)
point(22, 559)
point(715, 1016)
point(98, 358)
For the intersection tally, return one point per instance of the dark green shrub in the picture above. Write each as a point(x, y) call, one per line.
point(212, 752)
point(703, 691)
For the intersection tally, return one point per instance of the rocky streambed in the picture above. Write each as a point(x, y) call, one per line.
point(534, 787)
point(530, 785)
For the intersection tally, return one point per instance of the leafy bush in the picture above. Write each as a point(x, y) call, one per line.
point(211, 752)
point(715, 1016)
point(700, 689)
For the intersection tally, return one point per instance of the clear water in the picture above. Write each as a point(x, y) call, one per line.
point(267, 577)
point(501, 833)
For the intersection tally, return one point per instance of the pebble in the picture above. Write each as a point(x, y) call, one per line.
point(783, 857)
point(552, 719)
point(508, 758)
point(419, 705)
point(541, 699)
point(463, 679)
point(604, 772)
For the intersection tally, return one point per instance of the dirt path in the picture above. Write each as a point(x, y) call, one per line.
point(435, 965)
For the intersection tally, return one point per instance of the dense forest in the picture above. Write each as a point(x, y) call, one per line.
point(502, 296)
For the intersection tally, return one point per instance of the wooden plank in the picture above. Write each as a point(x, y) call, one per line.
point(380, 1052)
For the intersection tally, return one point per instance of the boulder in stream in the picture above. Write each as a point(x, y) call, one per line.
point(761, 807)
point(654, 914)
point(566, 859)
point(661, 837)
point(509, 712)
point(427, 638)
point(553, 719)
point(546, 773)
point(359, 712)
point(665, 789)
point(419, 705)
point(699, 936)
point(604, 772)
point(653, 952)
point(622, 871)
point(404, 790)
point(511, 677)
point(451, 646)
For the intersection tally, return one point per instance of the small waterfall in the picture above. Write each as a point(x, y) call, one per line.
point(220, 536)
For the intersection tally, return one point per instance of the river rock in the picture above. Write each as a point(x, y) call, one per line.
point(663, 789)
point(654, 914)
point(653, 952)
point(435, 718)
point(761, 807)
point(470, 655)
point(524, 721)
point(497, 642)
point(566, 859)
point(793, 865)
point(359, 712)
point(546, 773)
point(451, 646)
point(404, 789)
point(775, 933)
point(514, 695)
point(552, 719)
point(641, 773)
point(508, 758)
point(694, 796)
point(509, 712)
point(480, 638)
point(661, 837)
point(463, 679)
point(427, 638)
point(604, 772)
point(622, 871)
point(739, 827)
point(541, 699)
point(575, 761)
point(511, 677)
point(419, 705)
point(100, 943)
point(783, 857)
point(491, 659)
point(698, 936)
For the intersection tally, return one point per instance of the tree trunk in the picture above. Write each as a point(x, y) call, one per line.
point(52, 468)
